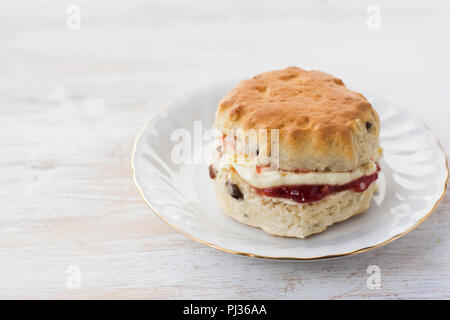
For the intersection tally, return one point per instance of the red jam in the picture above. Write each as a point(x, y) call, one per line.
point(311, 193)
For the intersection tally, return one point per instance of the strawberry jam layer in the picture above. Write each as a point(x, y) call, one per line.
point(312, 193)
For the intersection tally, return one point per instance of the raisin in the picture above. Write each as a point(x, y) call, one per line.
point(234, 191)
point(212, 172)
point(368, 125)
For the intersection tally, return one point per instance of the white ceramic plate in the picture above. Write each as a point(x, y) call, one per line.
point(412, 182)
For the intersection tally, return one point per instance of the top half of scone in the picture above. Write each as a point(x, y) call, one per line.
point(321, 124)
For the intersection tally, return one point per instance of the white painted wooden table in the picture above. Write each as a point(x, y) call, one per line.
point(72, 101)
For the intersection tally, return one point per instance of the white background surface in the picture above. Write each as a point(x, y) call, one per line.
point(72, 101)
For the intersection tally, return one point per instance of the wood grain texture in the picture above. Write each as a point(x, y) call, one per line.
point(72, 102)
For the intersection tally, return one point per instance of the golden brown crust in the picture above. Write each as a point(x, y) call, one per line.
point(322, 124)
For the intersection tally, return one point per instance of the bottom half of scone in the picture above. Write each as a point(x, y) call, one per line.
point(281, 217)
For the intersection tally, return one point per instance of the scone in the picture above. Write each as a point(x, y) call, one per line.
point(299, 152)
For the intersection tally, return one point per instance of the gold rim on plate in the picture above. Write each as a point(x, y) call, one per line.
point(293, 258)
